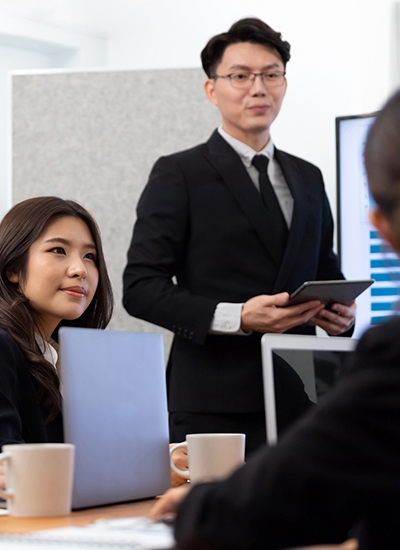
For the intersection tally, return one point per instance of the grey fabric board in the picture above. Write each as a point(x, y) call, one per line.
point(94, 136)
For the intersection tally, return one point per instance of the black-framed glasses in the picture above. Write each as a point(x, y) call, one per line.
point(245, 79)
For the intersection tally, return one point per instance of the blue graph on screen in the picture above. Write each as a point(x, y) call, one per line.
point(362, 252)
point(385, 269)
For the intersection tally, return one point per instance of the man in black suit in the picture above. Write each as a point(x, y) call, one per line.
point(240, 225)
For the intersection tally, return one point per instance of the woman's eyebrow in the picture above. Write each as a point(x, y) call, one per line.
point(68, 243)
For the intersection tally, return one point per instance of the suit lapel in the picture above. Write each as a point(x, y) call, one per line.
point(235, 176)
point(301, 210)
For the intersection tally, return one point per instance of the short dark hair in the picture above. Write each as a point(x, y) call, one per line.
point(382, 160)
point(251, 30)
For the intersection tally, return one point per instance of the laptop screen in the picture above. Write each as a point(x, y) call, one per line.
point(115, 413)
point(298, 371)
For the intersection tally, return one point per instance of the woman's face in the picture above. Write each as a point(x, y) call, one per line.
point(61, 276)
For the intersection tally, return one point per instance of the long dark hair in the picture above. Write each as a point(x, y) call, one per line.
point(19, 229)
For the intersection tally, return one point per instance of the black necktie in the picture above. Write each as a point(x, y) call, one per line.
point(272, 205)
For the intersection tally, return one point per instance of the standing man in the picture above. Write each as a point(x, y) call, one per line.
point(240, 225)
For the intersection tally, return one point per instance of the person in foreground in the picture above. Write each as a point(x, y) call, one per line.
point(336, 472)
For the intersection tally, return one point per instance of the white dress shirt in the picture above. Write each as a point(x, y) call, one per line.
point(227, 316)
point(48, 351)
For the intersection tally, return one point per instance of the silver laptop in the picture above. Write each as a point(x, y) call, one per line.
point(318, 361)
point(115, 412)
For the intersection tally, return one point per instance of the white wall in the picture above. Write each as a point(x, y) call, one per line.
point(28, 45)
point(343, 59)
point(10, 59)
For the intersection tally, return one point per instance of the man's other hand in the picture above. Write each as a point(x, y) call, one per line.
point(337, 319)
point(265, 313)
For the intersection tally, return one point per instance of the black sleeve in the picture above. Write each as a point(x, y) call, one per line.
point(158, 252)
point(21, 415)
point(328, 266)
point(337, 466)
point(10, 419)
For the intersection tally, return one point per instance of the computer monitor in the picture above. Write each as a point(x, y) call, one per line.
point(362, 253)
point(318, 361)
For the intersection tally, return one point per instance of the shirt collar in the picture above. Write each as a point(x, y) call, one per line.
point(47, 350)
point(245, 152)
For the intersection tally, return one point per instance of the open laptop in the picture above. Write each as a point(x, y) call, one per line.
point(115, 413)
point(318, 361)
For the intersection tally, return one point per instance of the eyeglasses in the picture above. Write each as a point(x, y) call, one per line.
point(246, 79)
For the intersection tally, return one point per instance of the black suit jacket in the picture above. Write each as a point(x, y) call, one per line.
point(201, 219)
point(21, 415)
point(337, 468)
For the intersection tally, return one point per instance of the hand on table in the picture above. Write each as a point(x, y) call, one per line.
point(180, 459)
point(168, 503)
point(337, 321)
point(351, 544)
point(263, 314)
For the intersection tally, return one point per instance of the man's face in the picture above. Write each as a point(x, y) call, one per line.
point(247, 113)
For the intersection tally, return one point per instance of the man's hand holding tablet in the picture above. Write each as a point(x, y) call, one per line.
point(327, 304)
point(338, 297)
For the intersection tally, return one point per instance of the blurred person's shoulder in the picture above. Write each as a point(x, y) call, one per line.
point(379, 346)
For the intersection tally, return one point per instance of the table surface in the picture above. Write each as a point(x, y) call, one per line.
point(80, 517)
point(83, 517)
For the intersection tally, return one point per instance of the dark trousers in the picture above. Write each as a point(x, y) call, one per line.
point(291, 402)
point(251, 424)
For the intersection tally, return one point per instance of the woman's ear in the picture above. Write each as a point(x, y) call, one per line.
point(13, 277)
point(379, 221)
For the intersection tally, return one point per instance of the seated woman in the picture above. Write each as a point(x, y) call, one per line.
point(52, 272)
point(337, 470)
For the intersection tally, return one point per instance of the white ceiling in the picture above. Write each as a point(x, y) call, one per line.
point(104, 18)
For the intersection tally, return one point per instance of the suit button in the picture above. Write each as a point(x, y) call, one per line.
point(173, 328)
point(185, 332)
point(179, 331)
point(191, 335)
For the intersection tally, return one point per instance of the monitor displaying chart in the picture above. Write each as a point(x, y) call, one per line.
point(362, 252)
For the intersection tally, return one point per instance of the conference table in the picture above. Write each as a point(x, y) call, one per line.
point(84, 517)
point(80, 517)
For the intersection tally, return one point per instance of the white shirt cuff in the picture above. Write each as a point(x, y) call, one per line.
point(227, 319)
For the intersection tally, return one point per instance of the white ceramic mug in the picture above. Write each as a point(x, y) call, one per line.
point(211, 456)
point(39, 478)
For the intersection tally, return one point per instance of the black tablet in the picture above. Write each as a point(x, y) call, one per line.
point(329, 292)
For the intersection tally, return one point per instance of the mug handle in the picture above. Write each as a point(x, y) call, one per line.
point(183, 473)
point(7, 493)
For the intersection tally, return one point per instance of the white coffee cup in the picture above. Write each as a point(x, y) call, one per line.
point(39, 478)
point(211, 456)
